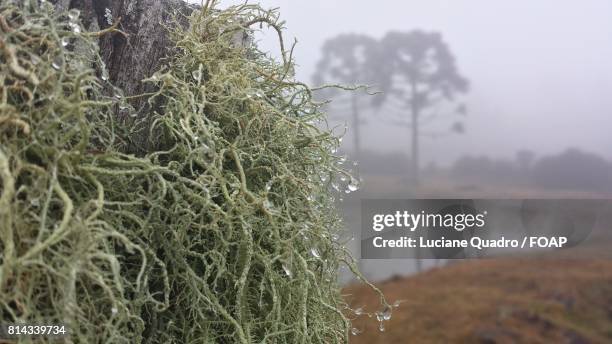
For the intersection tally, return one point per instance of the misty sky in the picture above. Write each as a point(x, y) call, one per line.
point(540, 71)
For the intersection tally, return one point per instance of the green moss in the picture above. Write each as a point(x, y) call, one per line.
point(226, 233)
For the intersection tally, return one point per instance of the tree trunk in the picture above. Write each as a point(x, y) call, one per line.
point(356, 126)
point(131, 59)
point(415, 145)
point(414, 112)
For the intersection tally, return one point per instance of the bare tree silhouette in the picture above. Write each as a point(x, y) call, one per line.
point(345, 60)
point(417, 72)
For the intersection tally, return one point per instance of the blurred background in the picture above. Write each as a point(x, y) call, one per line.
point(480, 99)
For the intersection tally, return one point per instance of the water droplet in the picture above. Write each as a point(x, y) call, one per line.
point(35, 202)
point(355, 331)
point(353, 185)
point(315, 253)
point(343, 178)
point(76, 28)
point(114, 310)
point(197, 75)
point(104, 75)
point(358, 311)
point(386, 313)
point(268, 186)
point(268, 205)
point(324, 177)
point(74, 14)
point(57, 63)
point(381, 326)
point(287, 271)
point(108, 15)
point(379, 316)
point(64, 41)
point(397, 303)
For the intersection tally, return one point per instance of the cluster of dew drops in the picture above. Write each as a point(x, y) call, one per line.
point(74, 25)
point(340, 180)
point(381, 316)
point(345, 182)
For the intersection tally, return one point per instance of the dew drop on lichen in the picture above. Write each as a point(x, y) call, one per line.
point(355, 331)
point(73, 14)
point(315, 253)
point(386, 313)
point(287, 271)
point(353, 185)
point(324, 177)
point(75, 27)
point(268, 205)
point(57, 63)
point(197, 75)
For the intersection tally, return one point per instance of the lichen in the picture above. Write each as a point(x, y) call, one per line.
point(227, 232)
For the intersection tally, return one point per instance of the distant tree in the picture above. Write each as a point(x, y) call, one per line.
point(345, 61)
point(524, 159)
point(417, 71)
point(482, 168)
point(574, 169)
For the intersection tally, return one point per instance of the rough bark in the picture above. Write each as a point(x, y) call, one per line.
point(139, 54)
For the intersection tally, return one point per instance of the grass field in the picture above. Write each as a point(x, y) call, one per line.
point(551, 299)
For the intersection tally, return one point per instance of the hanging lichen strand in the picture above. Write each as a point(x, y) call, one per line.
point(225, 234)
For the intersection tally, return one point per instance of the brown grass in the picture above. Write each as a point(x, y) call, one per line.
point(505, 300)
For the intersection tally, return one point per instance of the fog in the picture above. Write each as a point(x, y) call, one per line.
point(540, 71)
point(539, 104)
